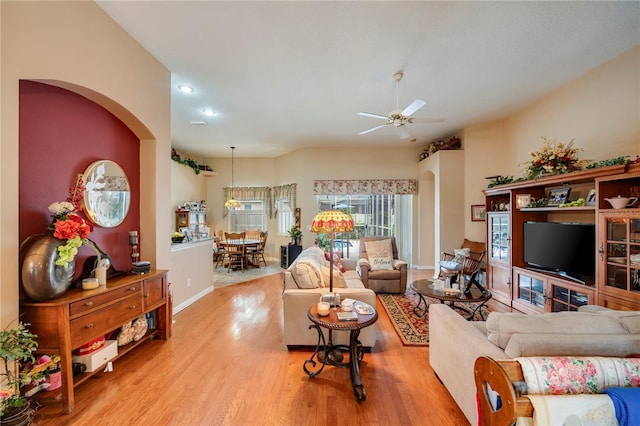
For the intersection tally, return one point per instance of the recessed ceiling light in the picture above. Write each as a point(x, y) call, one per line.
point(209, 112)
point(186, 89)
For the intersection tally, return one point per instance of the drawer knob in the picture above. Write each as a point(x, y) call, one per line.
point(132, 289)
point(132, 307)
point(89, 325)
point(88, 303)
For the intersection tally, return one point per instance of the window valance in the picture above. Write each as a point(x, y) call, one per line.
point(249, 193)
point(366, 186)
point(285, 192)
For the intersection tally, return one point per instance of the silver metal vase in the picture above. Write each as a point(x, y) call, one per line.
point(42, 279)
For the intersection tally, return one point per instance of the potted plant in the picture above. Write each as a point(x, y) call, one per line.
point(17, 346)
point(296, 235)
point(323, 242)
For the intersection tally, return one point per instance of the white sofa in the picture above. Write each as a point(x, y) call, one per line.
point(304, 282)
point(455, 344)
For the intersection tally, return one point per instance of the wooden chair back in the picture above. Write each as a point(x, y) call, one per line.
point(477, 249)
point(490, 376)
point(235, 250)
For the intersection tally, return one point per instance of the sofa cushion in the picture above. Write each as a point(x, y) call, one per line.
point(630, 320)
point(338, 277)
point(306, 274)
point(502, 325)
point(380, 254)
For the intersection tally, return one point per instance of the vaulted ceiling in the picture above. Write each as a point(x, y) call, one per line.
point(281, 76)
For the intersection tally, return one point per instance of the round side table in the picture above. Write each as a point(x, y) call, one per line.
point(328, 353)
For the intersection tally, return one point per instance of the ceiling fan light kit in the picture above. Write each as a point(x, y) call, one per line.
point(398, 118)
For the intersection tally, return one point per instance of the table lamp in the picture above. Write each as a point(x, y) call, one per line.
point(329, 222)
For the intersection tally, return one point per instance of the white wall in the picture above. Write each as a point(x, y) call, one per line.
point(186, 186)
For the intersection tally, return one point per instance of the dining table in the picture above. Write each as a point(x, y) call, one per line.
point(248, 243)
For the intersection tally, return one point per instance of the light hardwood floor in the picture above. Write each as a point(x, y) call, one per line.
point(226, 364)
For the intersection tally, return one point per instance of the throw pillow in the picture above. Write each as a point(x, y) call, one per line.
point(337, 262)
point(306, 275)
point(460, 254)
point(338, 278)
point(380, 254)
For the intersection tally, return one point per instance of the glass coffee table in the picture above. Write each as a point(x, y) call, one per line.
point(460, 301)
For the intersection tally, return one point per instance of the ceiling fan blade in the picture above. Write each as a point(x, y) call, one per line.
point(403, 132)
point(372, 129)
point(427, 120)
point(413, 107)
point(368, 114)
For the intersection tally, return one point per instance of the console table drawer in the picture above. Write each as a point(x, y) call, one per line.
point(93, 302)
point(110, 317)
point(154, 291)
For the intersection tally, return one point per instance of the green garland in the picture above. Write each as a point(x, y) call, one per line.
point(610, 162)
point(188, 162)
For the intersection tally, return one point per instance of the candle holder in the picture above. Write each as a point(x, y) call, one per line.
point(134, 241)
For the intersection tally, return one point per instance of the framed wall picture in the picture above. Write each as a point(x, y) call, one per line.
point(558, 196)
point(478, 212)
point(297, 217)
point(523, 200)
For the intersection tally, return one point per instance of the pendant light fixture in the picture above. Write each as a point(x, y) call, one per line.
point(232, 203)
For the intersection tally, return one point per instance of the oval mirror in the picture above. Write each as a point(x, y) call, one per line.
point(107, 193)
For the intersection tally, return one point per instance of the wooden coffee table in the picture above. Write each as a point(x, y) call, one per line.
point(328, 353)
point(424, 288)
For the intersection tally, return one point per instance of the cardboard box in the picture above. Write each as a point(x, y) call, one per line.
point(95, 360)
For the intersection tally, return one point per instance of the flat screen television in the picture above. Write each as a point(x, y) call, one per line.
point(566, 249)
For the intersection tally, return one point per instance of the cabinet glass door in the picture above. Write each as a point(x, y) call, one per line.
point(531, 290)
point(566, 299)
point(623, 253)
point(500, 238)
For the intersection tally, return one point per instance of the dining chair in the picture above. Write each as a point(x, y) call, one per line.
point(252, 234)
point(235, 250)
point(257, 252)
point(219, 251)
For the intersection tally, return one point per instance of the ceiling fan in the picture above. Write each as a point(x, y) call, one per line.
point(399, 118)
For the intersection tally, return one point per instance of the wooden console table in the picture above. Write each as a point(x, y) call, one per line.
point(79, 316)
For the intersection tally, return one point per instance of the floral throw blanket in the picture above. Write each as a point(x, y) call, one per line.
point(563, 390)
point(578, 375)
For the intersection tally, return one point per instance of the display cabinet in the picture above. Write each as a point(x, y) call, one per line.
point(195, 221)
point(499, 256)
point(616, 253)
point(619, 242)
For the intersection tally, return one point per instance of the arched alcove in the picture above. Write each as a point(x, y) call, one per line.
point(441, 209)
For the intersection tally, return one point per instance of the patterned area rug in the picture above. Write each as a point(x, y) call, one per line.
point(222, 278)
point(412, 330)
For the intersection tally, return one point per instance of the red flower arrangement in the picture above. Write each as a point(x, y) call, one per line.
point(68, 225)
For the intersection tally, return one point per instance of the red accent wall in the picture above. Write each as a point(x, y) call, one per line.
point(61, 133)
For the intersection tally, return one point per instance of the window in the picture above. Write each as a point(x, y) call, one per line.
point(285, 216)
point(373, 215)
point(250, 215)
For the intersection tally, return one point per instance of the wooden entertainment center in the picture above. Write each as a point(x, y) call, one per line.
point(617, 251)
point(80, 316)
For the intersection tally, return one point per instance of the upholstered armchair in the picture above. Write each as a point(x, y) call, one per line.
point(379, 266)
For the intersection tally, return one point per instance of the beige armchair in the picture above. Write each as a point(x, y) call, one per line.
point(379, 266)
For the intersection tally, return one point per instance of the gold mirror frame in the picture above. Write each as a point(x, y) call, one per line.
point(107, 193)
